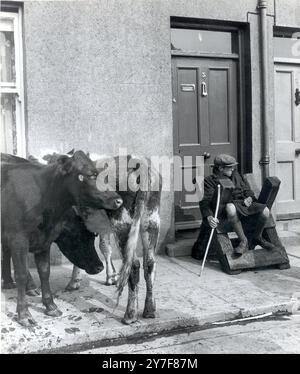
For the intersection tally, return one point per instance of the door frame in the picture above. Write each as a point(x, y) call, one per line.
point(277, 62)
point(244, 126)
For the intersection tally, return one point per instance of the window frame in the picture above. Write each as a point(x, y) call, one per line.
point(17, 88)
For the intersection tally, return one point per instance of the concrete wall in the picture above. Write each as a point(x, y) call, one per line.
point(98, 74)
point(287, 13)
point(98, 78)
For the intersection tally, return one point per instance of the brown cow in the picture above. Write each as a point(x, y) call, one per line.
point(34, 200)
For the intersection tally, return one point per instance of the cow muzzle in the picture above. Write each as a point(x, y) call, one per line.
point(94, 269)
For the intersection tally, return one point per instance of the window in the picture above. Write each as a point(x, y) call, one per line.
point(287, 44)
point(204, 41)
point(11, 80)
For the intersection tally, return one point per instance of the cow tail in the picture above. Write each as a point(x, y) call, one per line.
point(131, 244)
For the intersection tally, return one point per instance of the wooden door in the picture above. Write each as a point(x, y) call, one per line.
point(205, 119)
point(287, 135)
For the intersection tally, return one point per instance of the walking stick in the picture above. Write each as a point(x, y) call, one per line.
point(212, 230)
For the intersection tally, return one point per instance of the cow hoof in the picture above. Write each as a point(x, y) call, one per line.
point(149, 314)
point(53, 312)
point(26, 320)
point(73, 286)
point(129, 321)
point(9, 285)
point(33, 292)
point(110, 282)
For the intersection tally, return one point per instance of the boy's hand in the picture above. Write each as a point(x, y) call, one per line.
point(213, 222)
point(248, 201)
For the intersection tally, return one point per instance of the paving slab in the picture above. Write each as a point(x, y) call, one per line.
point(183, 300)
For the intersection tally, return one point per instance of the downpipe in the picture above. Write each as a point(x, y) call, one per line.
point(263, 42)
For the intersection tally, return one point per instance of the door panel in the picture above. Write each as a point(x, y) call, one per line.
point(284, 109)
point(287, 133)
point(287, 177)
point(205, 120)
point(188, 106)
point(219, 129)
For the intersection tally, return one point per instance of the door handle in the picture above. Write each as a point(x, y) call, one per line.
point(297, 151)
point(297, 96)
point(203, 89)
point(206, 155)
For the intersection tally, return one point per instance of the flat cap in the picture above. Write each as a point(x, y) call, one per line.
point(224, 160)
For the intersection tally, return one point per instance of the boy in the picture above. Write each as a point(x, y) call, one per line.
point(243, 204)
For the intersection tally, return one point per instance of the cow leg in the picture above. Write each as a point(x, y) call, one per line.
point(133, 281)
point(75, 281)
point(31, 287)
point(42, 260)
point(149, 234)
point(8, 282)
point(19, 251)
point(106, 250)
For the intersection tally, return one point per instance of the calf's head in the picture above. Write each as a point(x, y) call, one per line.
point(77, 244)
point(80, 176)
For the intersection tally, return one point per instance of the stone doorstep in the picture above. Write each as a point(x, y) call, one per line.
point(289, 225)
point(290, 240)
point(180, 248)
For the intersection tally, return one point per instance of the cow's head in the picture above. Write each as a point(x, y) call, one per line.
point(80, 176)
point(77, 244)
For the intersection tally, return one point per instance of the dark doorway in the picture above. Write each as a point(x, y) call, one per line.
point(206, 111)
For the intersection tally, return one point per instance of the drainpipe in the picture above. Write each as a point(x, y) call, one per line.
point(263, 42)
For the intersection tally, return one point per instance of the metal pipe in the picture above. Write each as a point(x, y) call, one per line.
point(263, 41)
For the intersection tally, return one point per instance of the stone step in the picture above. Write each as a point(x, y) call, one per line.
point(289, 238)
point(293, 251)
point(182, 247)
point(290, 225)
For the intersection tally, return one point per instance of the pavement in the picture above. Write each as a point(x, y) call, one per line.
point(184, 301)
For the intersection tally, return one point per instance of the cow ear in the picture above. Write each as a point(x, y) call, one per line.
point(81, 161)
point(65, 164)
point(71, 152)
point(33, 159)
point(47, 158)
point(51, 158)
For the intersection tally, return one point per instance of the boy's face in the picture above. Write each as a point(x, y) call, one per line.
point(227, 170)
